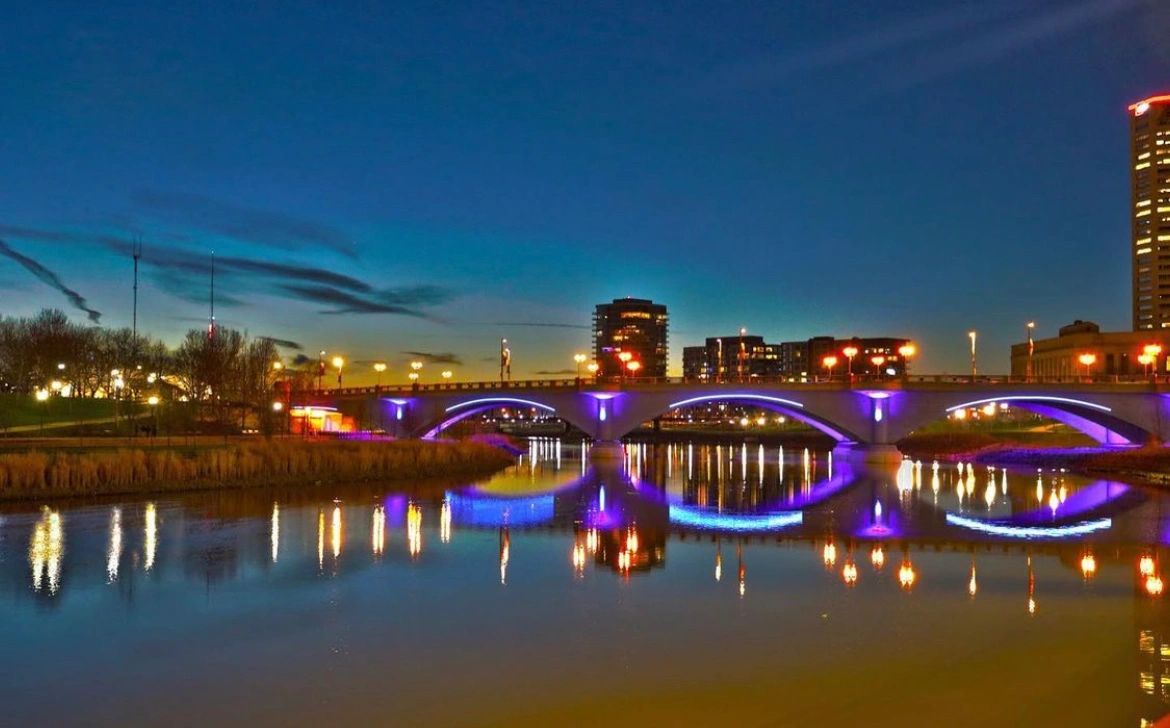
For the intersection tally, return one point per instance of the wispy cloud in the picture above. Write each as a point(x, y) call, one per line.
point(538, 324)
point(49, 278)
point(273, 229)
point(554, 372)
point(436, 358)
point(282, 343)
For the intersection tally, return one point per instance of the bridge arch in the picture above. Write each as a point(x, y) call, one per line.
point(1095, 420)
point(788, 407)
point(462, 410)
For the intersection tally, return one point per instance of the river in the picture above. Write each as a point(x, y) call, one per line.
point(683, 584)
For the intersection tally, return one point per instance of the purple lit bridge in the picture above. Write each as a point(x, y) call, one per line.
point(865, 418)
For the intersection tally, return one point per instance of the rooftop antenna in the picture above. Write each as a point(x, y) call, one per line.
point(136, 253)
point(211, 319)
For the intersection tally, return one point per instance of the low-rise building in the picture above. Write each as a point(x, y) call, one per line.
point(1110, 354)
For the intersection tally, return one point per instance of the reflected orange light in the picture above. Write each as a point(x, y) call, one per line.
point(849, 572)
point(907, 575)
point(1088, 565)
point(1154, 585)
point(1146, 565)
point(829, 554)
point(877, 557)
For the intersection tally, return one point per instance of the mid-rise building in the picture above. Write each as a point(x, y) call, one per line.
point(636, 326)
point(1149, 123)
point(727, 358)
point(1111, 354)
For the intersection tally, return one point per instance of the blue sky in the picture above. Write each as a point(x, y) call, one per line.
point(412, 178)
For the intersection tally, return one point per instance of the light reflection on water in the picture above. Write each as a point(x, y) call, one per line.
point(570, 547)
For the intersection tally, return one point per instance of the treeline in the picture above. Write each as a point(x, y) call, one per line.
point(222, 373)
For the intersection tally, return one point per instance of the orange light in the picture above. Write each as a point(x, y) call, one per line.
point(907, 576)
point(1152, 350)
point(878, 360)
point(1145, 359)
point(877, 557)
point(1153, 585)
point(829, 361)
point(907, 350)
point(849, 572)
point(849, 351)
point(1145, 104)
point(1146, 565)
point(1088, 565)
point(625, 356)
point(633, 366)
point(1087, 360)
point(830, 554)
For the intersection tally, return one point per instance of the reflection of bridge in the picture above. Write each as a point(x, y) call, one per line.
point(869, 416)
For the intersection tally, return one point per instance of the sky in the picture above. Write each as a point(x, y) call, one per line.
point(391, 181)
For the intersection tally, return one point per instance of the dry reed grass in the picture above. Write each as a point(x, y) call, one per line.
point(41, 473)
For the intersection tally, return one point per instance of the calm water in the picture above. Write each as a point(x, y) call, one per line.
point(686, 585)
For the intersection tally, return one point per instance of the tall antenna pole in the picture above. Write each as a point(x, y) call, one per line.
point(211, 320)
point(136, 252)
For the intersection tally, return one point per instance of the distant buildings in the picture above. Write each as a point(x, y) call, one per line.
point(1149, 124)
point(634, 326)
point(732, 358)
point(1112, 354)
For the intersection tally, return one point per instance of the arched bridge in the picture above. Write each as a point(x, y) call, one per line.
point(863, 415)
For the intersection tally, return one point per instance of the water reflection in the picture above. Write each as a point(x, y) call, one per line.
point(985, 536)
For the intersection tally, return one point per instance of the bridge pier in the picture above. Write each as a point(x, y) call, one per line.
point(867, 454)
point(606, 451)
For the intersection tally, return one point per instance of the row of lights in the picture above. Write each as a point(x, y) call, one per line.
point(906, 351)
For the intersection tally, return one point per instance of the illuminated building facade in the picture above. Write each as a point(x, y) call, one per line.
point(728, 358)
point(1117, 353)
point(634, 326)
point(1149, 123)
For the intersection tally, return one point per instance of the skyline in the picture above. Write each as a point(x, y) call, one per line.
point(437, 181)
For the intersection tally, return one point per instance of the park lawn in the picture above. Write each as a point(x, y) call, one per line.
point(18, 410)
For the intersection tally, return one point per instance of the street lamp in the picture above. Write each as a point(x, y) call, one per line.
point(413, 376)
point(1087, 360)
point(338, 364)
point(877, 360)
point(1031, 350)
point(624, 357)
point(580, 359)
point(829, 361)
point(153, 401)
point(850, 352)
point(972, 335)
point(907, 351)
point(1145, 360)
point(380, 367)
point(592, 367)
point(277, 366)
point(446, 374)
point(1153, 351)
point(633, 366)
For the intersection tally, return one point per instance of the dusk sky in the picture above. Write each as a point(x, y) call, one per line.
point(387, 178)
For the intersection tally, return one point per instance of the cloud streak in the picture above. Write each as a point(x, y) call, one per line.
point(51, 279)
point(273, 229)
point(436, 358)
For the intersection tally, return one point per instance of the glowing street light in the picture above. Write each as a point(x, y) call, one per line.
point(413, 377)
point(277, 366)
point(1031, 349)
point(42, 395)
point(829, 362)
point(973, 335)
point(1088, 565)
point(579, 359)
point(1145, 360)
point(446, 374)
point(592, 368)
point(850, 352)
point(1152, 352)
point(1087, 360)
point(277, 406)
point(338, 364)
point(907, 351)
point(380, 367)
point(877, 361)
point(633, 366)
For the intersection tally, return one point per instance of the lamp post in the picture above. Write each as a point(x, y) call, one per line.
point(877, 360)
point(1145, 360)
point(338, 364)
point(624, 357)
point(741, 357)
point(719, 360)
point(1031, 350)
point(1153, 351)
point(380, 367)
point(633, 366)
point(850, 352)
point(446, 374)
point(1087, 360)
point(974, 370)
point(592, 368)
point(829, 361)
point(416, 366)
point(43, 398)
point(580, 359)
point(907, 351)
point(153, 401)
point(505, 360)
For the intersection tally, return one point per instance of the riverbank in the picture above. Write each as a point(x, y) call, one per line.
point(46, 472)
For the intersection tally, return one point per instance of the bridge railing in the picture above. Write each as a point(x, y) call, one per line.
point(821, 381)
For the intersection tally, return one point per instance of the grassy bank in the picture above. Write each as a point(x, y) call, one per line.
point(965, 445)
point(45, 473)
